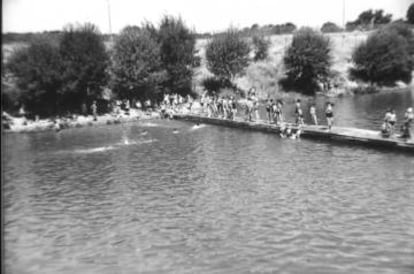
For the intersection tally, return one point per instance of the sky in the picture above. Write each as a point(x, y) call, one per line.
point(201, 16)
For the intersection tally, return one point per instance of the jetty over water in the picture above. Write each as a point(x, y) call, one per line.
point(357, 136)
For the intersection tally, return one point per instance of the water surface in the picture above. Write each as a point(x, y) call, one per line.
point(207, 200)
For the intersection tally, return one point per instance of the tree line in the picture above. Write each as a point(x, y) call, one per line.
point(54, 76)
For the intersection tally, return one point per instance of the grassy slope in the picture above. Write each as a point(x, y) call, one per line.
point(264, 75)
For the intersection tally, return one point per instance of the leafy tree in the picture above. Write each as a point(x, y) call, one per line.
point(383, 59)
point(177, 54)
point(307, 61)
point(136, 64)
point(85, 63)
point(410, 14)
point(37, 75)
point(403, 30)
point(284, 28)
point(370, 17)
point(330, 27)
point(227, 54)
point(260, 47)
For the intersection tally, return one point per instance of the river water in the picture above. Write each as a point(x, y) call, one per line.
point(208, 200)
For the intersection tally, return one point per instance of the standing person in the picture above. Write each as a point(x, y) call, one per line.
point(392, 121)
point(84, 109)
point(269, 109)
point(233, 107)
point(298, 113)
point(329, 115)
point(220, 109)
point(171, 97)
point(94, 109)
point(278, 112)
point(408, 119)
point(255, 105)
point(386, 126)
point(312, 112)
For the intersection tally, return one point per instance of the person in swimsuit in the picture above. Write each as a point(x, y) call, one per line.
point(255, 106)
point(392, 121)
point(269, 110)
point(312, 112)
point(278, 114)
point(408, 119)
point(386, 126)
point(329, 115)
point(233, 107)
point(299, 113)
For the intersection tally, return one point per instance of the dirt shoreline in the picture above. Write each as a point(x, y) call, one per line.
point(22, 125)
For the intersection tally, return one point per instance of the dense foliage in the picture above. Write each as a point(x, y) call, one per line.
point(383, 59)
point(136, 65)
point(410, 14)
point(85, 63)
point(330, 27)
point(177, 54)
point(37, 76)
point(260, 47)
point(227, 54)
point(55, 76)
point(307, 61)
point(404, 30)
point(368, 19)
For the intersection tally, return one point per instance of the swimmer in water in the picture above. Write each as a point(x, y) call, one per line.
point(144, 132)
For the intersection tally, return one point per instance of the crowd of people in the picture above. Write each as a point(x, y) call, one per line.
point(390, 120)
point(227, 107)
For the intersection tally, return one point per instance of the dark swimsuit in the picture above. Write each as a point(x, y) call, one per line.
point(329, 114)
point(299, 113)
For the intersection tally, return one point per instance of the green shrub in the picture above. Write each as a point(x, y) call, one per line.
point(227, 54)
point(307, 61)
point(260, 47)
point(383, 59)
point(403, 30)
point(136, 64)
point(410, 14)
point(37, 72)
point(85, 63)
point(215, 84)
point(177, 54)
point(330, 27)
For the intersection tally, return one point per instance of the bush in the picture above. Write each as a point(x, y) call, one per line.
point(383, 59)
point(307, 61)
point(260, 47)
point(369, 18)
point(405, 31)
point(37, 72)
point(330, 27)
point(410, 14)
point(214, 84)
point(136, 65)
point(283, 28)
point(227, 55)
point(85, 63)
point(177, 54)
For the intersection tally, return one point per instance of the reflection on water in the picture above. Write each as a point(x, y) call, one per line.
point(214, 200)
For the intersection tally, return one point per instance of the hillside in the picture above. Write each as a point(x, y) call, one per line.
point(264, 75)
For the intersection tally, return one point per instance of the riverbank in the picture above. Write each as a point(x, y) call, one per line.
point(21, 124)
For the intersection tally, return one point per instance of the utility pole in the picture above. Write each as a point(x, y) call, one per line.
point(343, 14)
point(109, 19)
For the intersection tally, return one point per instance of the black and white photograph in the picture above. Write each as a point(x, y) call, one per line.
point(220, 136)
